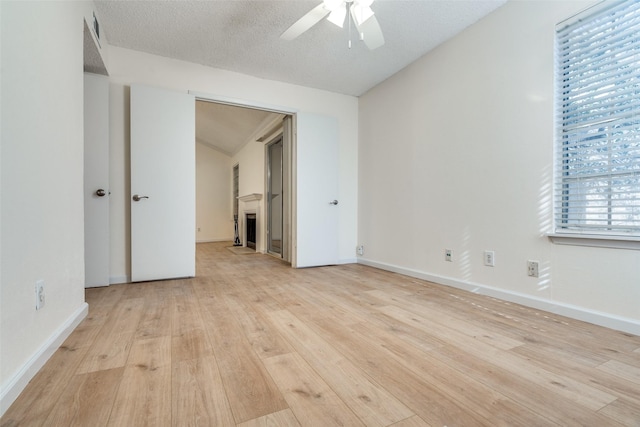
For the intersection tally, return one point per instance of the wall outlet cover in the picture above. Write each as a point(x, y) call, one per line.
point(448, 255)
point(533, 268)
point(40, 294)
point(489, 258)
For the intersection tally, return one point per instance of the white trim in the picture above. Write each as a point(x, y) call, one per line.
point(237, 102)
point(14, 386)
point(595, 240)
point(250, 197)
point(607, 320)
point(223, 239)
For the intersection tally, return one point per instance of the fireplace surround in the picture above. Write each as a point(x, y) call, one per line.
point(251, 221)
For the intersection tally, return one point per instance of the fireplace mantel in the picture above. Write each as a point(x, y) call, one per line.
point(250, 197)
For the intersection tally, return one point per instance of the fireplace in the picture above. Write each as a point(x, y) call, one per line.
point(249, 211)
point(250, 224)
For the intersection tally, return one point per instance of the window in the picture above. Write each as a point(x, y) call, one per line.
point(597, 188)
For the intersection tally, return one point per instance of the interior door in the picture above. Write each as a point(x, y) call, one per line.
point(96, 180)
point(317, 204)
point(162, 184)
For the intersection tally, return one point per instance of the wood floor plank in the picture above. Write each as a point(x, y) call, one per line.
point(470, 329)
point(251, 341)
point(42, 393)
point(622, 370)
point(144, 394)
point(198, 396)
point(156, 319)
point(414, 421)
point(87, 399)
point(191, 344)
point(108, 353)
point(417, 394)
point(624, 411)
point(564, 365)
point(372, 403)
point(468, 391)
point(558, 409)
point(264, 340)
point(277, 419)
point(250, 389)
point(310, 398)
point(112, 350)
point(186, 313)
point(581, 393)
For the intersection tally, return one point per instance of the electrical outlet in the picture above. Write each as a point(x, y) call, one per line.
point(532, 268)
point(448, 255)
point(39, 294)
point(489, 258)
point(360, 250)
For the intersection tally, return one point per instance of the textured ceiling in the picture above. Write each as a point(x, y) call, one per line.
point(92, 60)
point(227, 128)
point(243, 36)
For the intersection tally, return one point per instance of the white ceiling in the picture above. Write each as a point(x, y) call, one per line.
point(244, 36)
point(228, 128)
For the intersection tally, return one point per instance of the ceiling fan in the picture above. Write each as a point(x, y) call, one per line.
point(357, 11)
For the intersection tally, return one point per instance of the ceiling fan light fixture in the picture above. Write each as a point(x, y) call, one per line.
point(332, 5)
point(357, 12)
point(337, 15)
point(361, 13)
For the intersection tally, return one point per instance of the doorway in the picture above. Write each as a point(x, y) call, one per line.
point(310, 214)
point(251, 145)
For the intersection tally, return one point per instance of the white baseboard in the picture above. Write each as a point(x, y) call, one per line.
point(607, 320)
point(228, 239)
point(14, 386)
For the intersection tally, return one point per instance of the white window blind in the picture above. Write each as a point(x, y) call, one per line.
point(597, 188)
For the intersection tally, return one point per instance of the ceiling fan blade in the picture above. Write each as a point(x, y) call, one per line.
point(307, 21)
point(373, 37)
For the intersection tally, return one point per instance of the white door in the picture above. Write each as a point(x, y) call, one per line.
point(162, 184)
point(317, 204)
point(96, 180)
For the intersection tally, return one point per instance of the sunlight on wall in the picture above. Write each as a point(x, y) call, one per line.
point(464, 260)
point(545, 224)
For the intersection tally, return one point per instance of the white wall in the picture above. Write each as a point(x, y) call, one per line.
point(251, 159)
point(42, 184)
point(127, 66)
point(214, 213)
point(456, 152)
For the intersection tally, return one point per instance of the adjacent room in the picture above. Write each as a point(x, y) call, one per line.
point(317, 213)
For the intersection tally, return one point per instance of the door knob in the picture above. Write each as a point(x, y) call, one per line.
point(333, 202)
point(137, 198)
point(100, 192)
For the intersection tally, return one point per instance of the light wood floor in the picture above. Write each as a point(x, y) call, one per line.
point(252, 342)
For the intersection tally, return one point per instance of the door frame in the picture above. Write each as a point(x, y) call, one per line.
point(284, 235)
point(289, 157)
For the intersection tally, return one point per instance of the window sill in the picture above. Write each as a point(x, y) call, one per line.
point(596, 240)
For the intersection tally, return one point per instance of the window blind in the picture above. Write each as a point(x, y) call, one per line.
point(597, 186)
